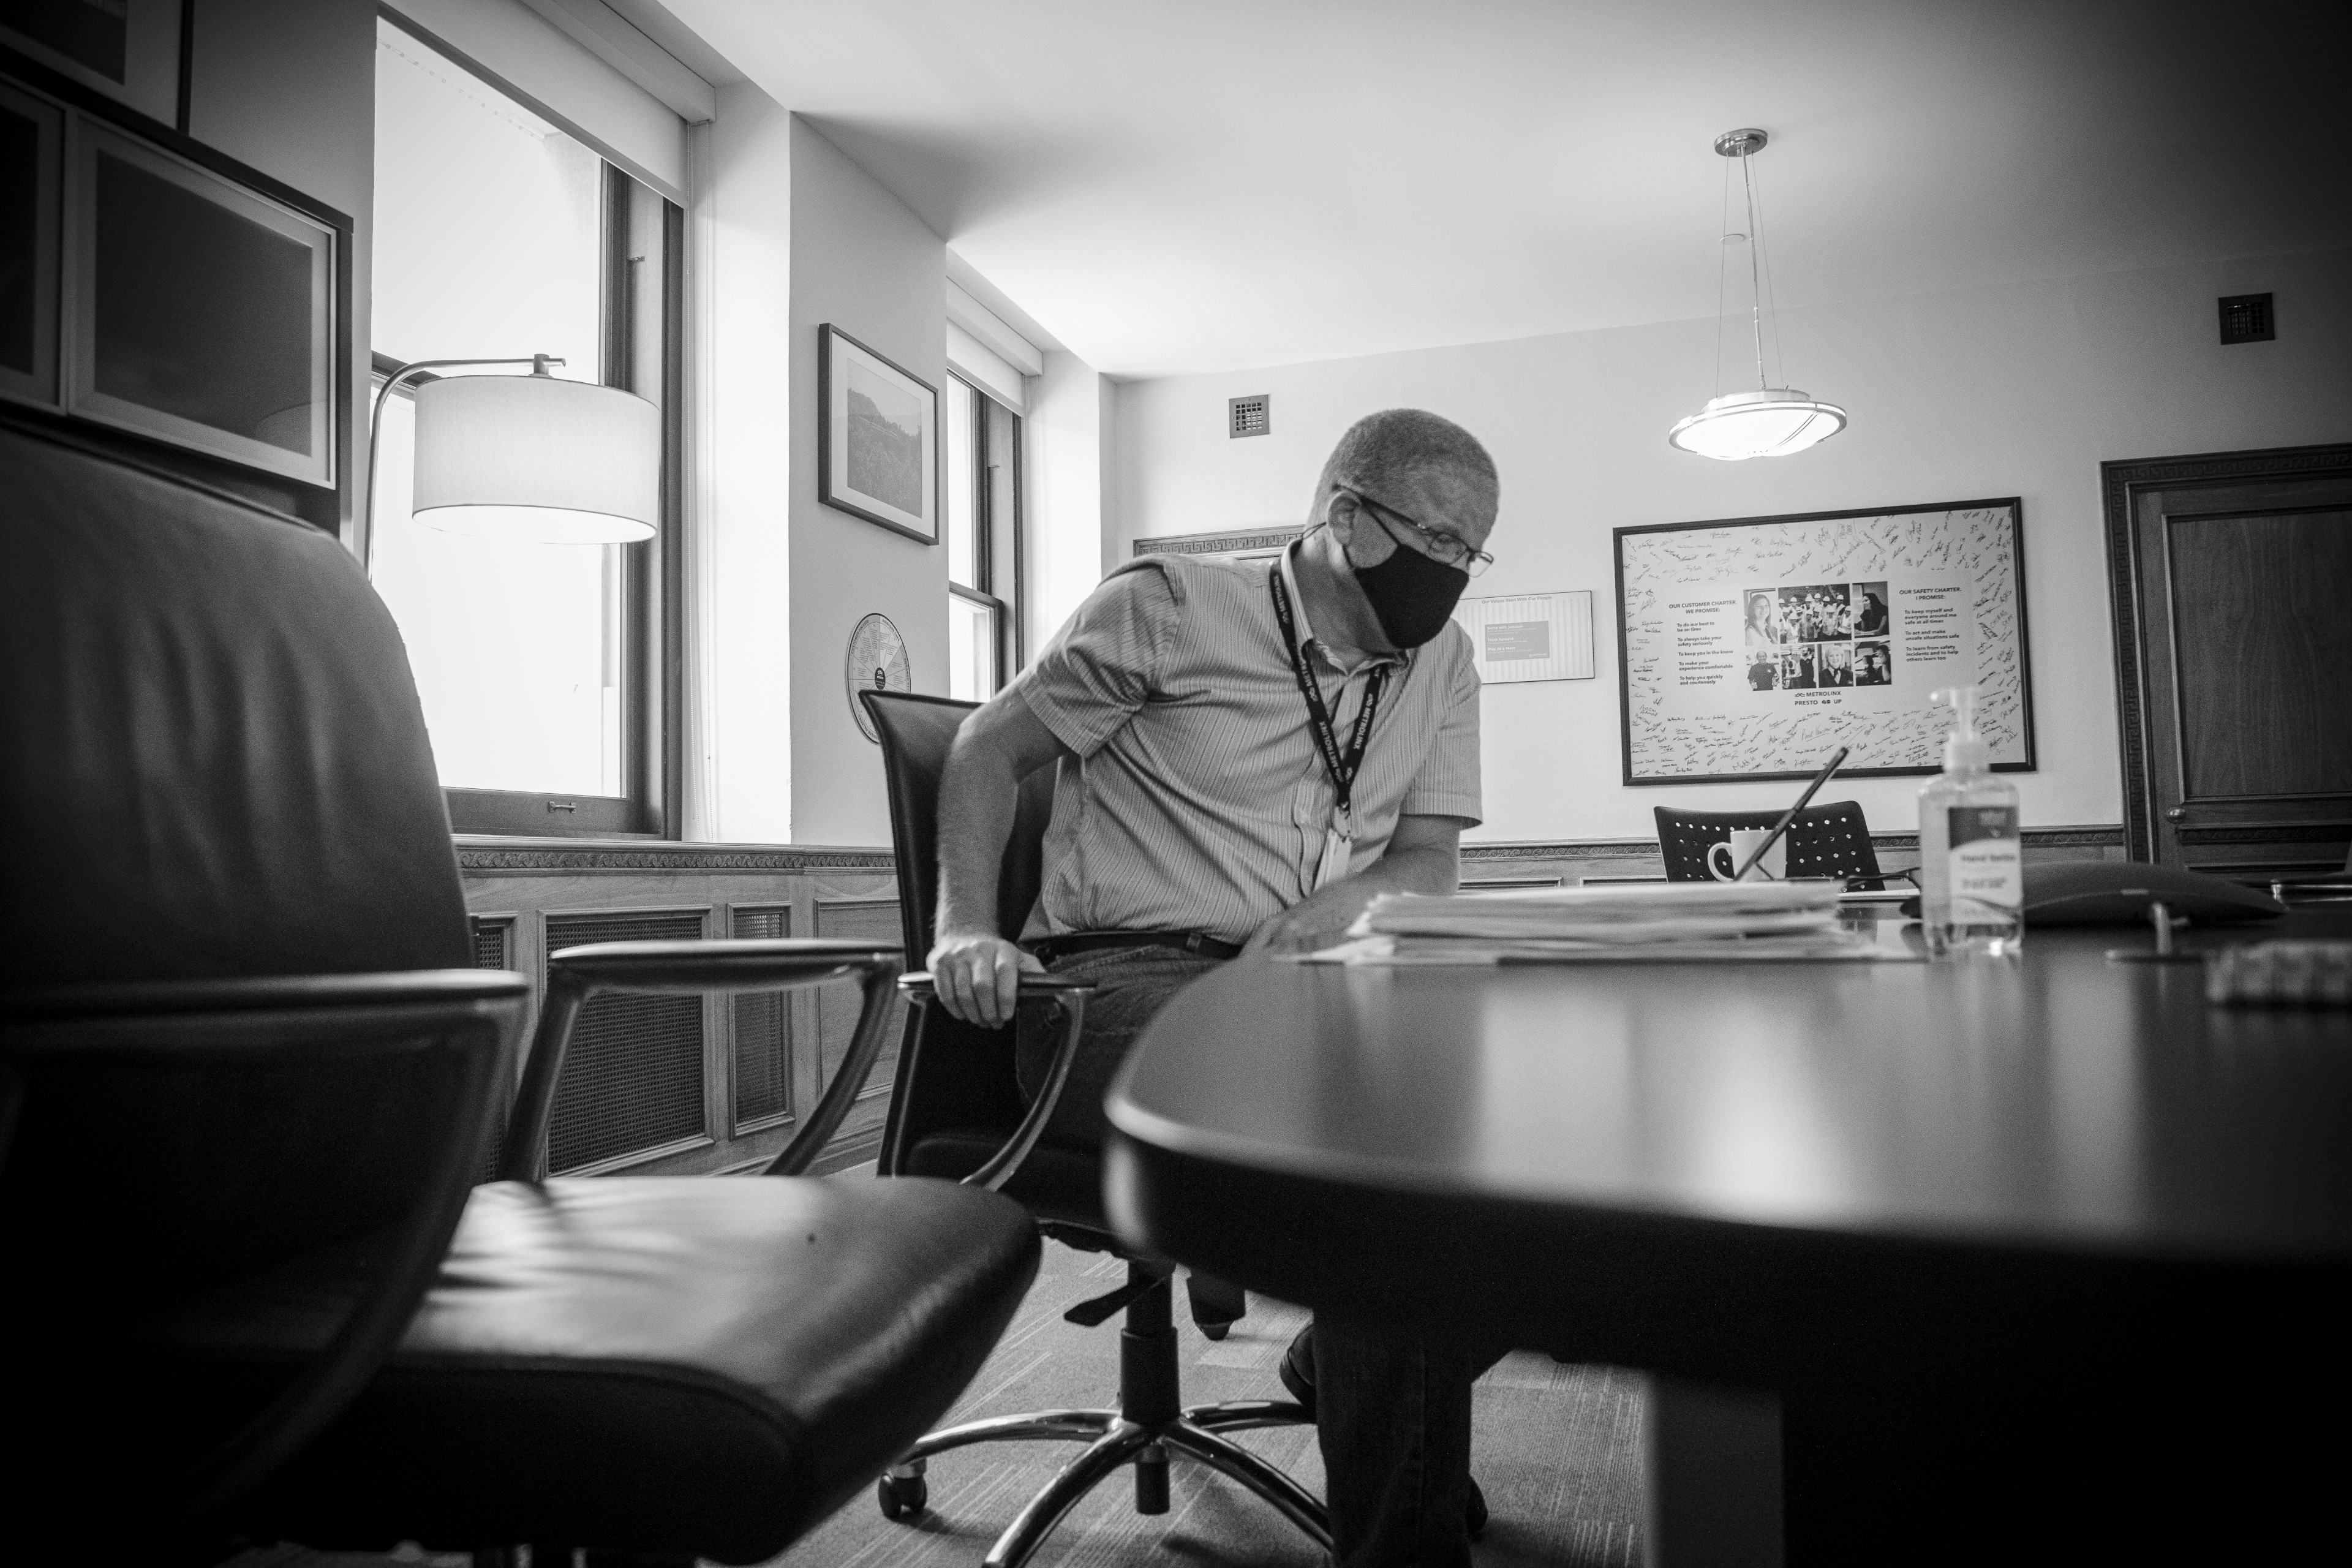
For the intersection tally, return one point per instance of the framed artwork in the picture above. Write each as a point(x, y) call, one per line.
point(877, 438)
point(1529, 636)
point(196, 310)
point(127, 49)
point(1752, 647)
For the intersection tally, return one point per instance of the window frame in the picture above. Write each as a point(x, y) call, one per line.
point(995, 551)
point(653, 570)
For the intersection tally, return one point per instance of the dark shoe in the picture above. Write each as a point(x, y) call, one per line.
point(1296, 1370)
point(1216, 1305)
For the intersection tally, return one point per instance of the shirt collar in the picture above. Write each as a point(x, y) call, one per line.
point(1306, 638)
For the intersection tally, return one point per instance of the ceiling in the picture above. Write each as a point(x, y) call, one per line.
point(1179, 185)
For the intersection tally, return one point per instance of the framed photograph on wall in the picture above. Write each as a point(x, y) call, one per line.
point(1752, 647)
point(878, 437)
point(127, 49)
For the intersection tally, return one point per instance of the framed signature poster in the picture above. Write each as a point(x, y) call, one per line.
point(1752, 647)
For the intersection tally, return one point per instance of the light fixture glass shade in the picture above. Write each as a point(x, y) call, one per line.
point(1767, 423)
point(532, 456)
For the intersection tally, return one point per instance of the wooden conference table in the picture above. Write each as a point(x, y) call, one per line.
point(2047, 1259)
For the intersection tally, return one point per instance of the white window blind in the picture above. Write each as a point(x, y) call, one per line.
point(521, 53)
point(985, 367)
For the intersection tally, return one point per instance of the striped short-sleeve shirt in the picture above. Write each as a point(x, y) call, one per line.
point(1199, 800)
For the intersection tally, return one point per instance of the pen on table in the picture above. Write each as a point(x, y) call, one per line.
point(1789, 816)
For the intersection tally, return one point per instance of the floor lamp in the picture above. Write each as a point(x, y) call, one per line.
point(526, 457)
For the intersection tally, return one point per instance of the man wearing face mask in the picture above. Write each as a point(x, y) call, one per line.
point(1249, 751)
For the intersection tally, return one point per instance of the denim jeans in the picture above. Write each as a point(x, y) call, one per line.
point(1392, 1408)
point(1133, 984)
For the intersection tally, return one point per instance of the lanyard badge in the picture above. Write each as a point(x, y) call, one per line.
point(1339, 838)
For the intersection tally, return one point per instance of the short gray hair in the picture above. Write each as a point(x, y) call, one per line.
point(1383, 453)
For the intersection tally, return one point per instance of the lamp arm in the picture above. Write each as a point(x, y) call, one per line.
point(539, 364)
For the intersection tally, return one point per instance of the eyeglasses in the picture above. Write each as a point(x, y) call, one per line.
point(1440, 547)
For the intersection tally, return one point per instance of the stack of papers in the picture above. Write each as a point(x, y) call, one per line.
point(1654, 923)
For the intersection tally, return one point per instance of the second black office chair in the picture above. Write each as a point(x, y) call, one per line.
point(956, 1111)
point(1831, 840)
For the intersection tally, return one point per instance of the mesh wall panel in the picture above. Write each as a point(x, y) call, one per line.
point(837, 1003)
point(764, 1032)
point(633, 1076)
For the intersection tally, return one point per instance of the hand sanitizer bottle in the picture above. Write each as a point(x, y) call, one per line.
point(1972, 882)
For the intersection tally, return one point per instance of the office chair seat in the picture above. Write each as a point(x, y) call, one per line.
point(1062, 1187)
point(652, 1365)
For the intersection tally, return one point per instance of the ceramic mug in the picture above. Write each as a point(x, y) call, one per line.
point(1724, 857)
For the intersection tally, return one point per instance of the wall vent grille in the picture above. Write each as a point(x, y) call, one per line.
point(1251, 416)
point(633, 1078)
point(2246, 319)
point(764, 1032)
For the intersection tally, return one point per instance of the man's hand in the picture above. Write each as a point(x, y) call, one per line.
point(1304, 927)
point(1424, 857)
point(978, 975)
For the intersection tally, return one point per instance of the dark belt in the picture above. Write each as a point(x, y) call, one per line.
point(1048, 949)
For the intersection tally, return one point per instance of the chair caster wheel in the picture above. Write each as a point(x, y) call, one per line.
point(901, 1497)
point(1215, 1331)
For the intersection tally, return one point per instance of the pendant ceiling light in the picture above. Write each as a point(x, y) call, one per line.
point(1771, 421)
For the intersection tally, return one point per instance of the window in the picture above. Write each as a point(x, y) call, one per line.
point(541, 667)
point(983, 485)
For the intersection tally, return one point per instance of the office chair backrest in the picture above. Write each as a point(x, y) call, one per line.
point(917, 732)
point(216, 762)
point(1831, 840)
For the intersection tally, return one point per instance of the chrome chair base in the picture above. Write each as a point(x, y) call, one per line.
point(1112, 1441)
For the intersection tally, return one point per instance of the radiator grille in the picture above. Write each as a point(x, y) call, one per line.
point(764, 1032)
point(492, 943)
point(837, 1003)
point(633, 1078)
point(493, 948)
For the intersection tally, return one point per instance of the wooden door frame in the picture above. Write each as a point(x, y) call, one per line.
point(2119, 482)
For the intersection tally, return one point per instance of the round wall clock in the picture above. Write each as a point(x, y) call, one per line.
point(877, 662)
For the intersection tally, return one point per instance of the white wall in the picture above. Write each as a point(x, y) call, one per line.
point(2021, 390)
point(741, 757)
point(862, 260)
point(1069, 471)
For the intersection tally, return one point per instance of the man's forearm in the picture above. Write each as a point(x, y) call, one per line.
point(978, 792)
point(1428, 869)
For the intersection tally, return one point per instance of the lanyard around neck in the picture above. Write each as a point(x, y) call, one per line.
point(1341, 767)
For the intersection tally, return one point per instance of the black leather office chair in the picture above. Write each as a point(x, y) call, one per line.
point(234, 907)
point(955, 1111)
point(1831, 840)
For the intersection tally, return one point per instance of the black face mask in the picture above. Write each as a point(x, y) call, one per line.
point(1411, 595)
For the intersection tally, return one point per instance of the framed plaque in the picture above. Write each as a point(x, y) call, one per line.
point(1752, 647)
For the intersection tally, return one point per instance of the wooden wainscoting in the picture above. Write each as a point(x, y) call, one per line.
point(659, 1085)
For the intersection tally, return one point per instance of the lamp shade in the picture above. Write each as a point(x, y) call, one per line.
point(1767, 423)
point(531, 456)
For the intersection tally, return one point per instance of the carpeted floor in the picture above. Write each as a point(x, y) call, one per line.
point(1557, 1450)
